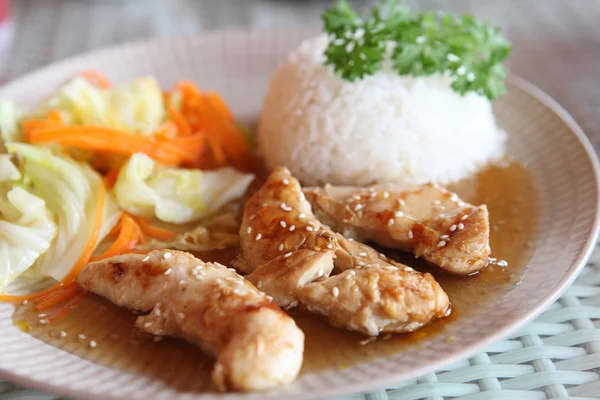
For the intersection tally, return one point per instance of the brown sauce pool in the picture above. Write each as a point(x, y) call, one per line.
point(509, 193)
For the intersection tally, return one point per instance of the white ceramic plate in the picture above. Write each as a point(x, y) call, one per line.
point(238, 64)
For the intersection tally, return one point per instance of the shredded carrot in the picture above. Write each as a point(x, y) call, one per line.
point(220, 104)
point(111, 140)
point(182, 125)
point(216, 150)
point(81, 262)
point(111, 177)
point(129, 236)
point(96, 78)
point(66, 293)
point(66, 308)
point(167, 129)
point(154, 231)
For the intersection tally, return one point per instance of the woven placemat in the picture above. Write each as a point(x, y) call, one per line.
point(557, 47)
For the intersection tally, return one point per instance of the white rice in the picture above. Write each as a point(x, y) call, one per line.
point(384, 128)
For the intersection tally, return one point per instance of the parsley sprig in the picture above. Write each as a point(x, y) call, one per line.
point(468, 50)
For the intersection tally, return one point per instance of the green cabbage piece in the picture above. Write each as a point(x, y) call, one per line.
point(176, 195)
point(26, 231)
point(70, 192)
point(10, 120)
point(137, 106)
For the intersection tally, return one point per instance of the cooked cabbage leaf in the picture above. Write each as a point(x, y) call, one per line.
point(70, 191)
point(137, 106)
point(10, 119)
point(176, 195)
point(26, 231)
point(219, 233)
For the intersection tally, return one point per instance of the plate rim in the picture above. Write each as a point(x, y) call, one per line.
point(467, 351)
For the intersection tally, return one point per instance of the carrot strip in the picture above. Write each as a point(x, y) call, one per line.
point(66, 308)
point(63, 295)
point(129, 236)
point(110, 178)
point(81, 262)
point(220, 104)
point(182, 126)
point(154, 231)
point(216, 150)
point(111, 140)
point(96, 78)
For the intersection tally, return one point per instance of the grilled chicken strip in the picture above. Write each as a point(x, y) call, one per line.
point(290, 255)
point(373, 294)
point(426, 220)
point(256, 345)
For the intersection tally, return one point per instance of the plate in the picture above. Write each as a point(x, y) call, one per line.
point(238, 64)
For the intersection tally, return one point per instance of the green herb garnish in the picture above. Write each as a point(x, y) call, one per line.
point(467, 49)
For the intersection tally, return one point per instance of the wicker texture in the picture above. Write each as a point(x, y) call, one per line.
point(556, 356)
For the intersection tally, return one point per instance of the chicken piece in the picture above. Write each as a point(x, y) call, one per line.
point(426, 220)
point(374, 294)
point(278, 220)
point(257, 346)
point(295, 266)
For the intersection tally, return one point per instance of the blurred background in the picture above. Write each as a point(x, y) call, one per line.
point(556, 42)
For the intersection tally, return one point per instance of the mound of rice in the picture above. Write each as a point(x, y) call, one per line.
point(384, 128)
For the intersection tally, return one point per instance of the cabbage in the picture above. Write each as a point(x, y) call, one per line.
point(8, 170)
point(176, 195)
point(10, 118)
point(70, 190)
point(137, 106)
point(219, 233)
point(26, 231)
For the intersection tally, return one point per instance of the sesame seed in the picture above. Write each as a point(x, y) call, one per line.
point(461, 70)
point(452, 228)
point(362, 254)
point(180, 315)
point(401, 202)
point(420, 39)
point(282, 223)
point(444, 237)
point(41, 315)
point(441, 243)
point(387, 336)
point(350, 47)
point(167, 272)
point(390, 222)
point(291, 229)
point(382, 255)
point(502, 263)
point(285, 207)
point(145, 258)
point(367, 341)
point(358, 207)
point(407, 269)
point(302, 216)
point(158, 339)
point(335, 291)
point(464, 217)
point(167, 255)
point(461, 226)
point(148, 324)
point(361, 263)
point(386, 195)
point(259, 284)
point(81, 336)
point(93, 344)
point(309, 228)
point(63, 334)
point(252, 217)
point(319, 273)
point(285, 181)
point(436, 202)
point(286, 255)
point(182, 282)
point(43, 321)
point(329, 246)
point(351, 239)
point(198, 267)
point(199, 277)
point(249, 230)
point(157, 311)
point(452, 57)
point(399, 214)
point(351, 273)
point(194, 272)
point(410, 234)
point(470, 77)
point(25, 302)
point(258, 237)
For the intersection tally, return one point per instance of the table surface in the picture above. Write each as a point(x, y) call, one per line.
point(556, 46)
